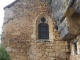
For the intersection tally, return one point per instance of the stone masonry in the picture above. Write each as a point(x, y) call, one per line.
point(18, 33)
point(20, 30)
point(68, 24)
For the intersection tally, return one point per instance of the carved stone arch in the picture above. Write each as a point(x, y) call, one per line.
point(49, 21)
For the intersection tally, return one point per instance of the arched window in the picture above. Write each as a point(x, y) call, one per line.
point(43, 29)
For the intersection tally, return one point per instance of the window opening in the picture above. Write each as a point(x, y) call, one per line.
point(75, 47)
point(43, 29)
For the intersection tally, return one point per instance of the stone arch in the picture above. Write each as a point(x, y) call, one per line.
point(49, 21)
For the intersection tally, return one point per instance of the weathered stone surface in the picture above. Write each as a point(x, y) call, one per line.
point(20, 27)
point(60, 7)
point(76, 5)
point(57, 7)
point(65, 9)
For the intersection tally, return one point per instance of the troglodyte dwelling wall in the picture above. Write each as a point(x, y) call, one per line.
point(20, 32)
point(73, 23)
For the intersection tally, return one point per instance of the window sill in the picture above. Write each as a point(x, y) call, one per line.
point(43, 40)
point(75, 55)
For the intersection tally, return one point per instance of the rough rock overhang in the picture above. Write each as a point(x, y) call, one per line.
point(10, 5)
point(59, 16)
point(76, 6)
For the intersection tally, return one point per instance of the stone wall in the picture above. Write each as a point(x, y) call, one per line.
point(68, 23)
point(74, 56)
point(18, 28)
point(73, 24)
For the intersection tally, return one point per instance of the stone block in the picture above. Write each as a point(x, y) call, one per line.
point(49, 50)
point(49, 44)
point(39, 54)
point(52, 54)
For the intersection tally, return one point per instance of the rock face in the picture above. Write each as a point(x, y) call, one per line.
point(67, 24)
point(59, 8)
point(65, 13)
point(76, 6)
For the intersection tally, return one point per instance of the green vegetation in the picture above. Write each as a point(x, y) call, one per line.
point(4, 54)
point(0, 38)
point(65, 4)
point(49, 1)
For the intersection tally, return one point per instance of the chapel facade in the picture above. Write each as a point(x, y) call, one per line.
point(42, 30)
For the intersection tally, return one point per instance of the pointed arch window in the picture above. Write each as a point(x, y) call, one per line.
point(43, 29)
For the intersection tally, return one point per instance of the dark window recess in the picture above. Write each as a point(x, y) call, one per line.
point(43, 30)
point(49, 1)
point(75, 48)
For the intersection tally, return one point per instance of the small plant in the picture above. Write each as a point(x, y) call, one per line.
point(4, 54)
point(65, 3)
point(49, 1)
